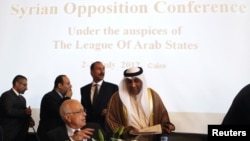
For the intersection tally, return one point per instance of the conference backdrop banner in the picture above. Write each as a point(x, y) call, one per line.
point(195, 53)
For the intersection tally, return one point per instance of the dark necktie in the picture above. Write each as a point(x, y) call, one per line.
point(21, 98)
point(95, 93)
point(77, 130)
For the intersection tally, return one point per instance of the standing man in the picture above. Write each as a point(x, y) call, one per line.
point(50, 104)
point(135, 106)
point(96, 108)
point(15, 117)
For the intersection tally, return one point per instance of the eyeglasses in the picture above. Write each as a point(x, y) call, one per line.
point(78, 113)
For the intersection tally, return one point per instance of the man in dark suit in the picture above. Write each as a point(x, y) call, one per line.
point(15, 117)
point(1, 133)
point(73, 114)
point(96, 109)
point(49, 109)
point(239, 111)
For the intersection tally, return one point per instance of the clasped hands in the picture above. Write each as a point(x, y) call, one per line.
point(28, 112)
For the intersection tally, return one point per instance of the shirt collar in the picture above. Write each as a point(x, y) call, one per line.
point(59, 94)
point(15, 92)
point(99, 83)
point(70, 130)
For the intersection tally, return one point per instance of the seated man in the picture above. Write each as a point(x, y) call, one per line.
point(75, 128)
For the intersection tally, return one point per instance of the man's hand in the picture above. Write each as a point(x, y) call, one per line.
point(104, 111)
point(31, 123)
point(83, 134)
point(169, 127)
point(28, 111)
point(133, 131)
point(69, 93)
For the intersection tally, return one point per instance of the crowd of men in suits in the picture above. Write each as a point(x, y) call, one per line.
point(15, 117)
point(133, 106)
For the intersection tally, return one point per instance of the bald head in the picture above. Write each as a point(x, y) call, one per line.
point(68, 106)
point(72, 112)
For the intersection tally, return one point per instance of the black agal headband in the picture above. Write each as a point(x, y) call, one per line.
point(131, 74)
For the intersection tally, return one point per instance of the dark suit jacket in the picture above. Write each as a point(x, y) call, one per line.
point(60, 133)
point(1, 133)
point(239, 111)
point(49, 114)
point(13, 116)
point(94, 111)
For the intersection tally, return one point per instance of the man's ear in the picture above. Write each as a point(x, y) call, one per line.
point(60, 85)
point(67, 118)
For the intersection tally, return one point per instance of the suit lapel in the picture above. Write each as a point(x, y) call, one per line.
point(100, 95)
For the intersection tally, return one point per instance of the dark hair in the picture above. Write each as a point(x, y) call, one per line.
point(58, 80)
point(17, 78)
point(93, 65)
